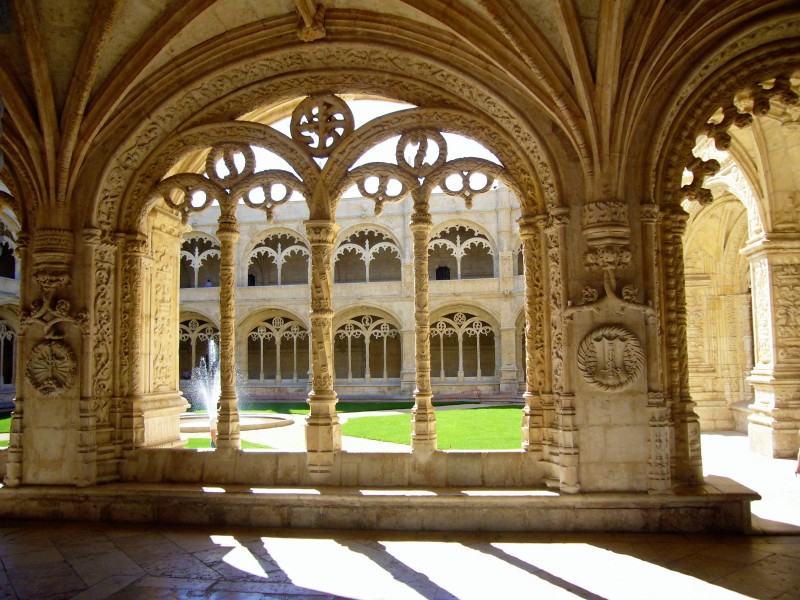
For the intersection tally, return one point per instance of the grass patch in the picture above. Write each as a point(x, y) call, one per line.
point(205, 442)
point(3, 443)
point(496, 428)
point(301, 408)
point(5, 425)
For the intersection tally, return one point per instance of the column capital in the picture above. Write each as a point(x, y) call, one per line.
point(772, 244)
point(649, 213)
point(321, 232)
point(530, 226)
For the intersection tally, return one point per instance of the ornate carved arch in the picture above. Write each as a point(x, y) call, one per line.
point(700, 98)
point(138, 198)
point(244, 87)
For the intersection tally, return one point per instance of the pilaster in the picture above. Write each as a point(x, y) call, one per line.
point(775, 414)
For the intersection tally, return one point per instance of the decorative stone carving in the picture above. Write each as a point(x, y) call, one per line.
point(320, 123)
point(611, 358)
point(630, 293)
point(312, 24)
point(606, 229)
point(700, 169)
point(763, 310)
point(787, 311)
point(590, 294)
point(51, 367)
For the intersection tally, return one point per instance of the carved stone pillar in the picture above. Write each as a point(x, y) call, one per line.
point(563, 452)
point(423, 417)
point(775, 415)
point(132, 298)
point(100, 269)
point(687, 456)
point(531, 232)
point(660, 436)
point(323, 432)
point(228, 435)
point(53, 351)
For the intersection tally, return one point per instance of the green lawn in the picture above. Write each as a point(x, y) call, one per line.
point(5, 425)
point(205, 442)
point(496, 428)
point(301, 408)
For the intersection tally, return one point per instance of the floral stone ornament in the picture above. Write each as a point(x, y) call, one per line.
point(52, 367)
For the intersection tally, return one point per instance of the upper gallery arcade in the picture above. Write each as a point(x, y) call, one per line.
point(633, 206)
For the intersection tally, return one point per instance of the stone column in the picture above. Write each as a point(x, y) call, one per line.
point(775, 414)
point(688, 461)
point(132, 298)
point(323, 432)
point(530, 230)
point(660, 432)
point(228, 437)
point(423, 417)
point(87, 413)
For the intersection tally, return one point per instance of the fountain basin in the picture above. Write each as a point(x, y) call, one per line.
point(198, 423)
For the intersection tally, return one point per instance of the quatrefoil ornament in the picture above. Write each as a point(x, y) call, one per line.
point(320, 122)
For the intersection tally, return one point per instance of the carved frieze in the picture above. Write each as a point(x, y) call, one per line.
point(763, 310)
point(787, 311)
point(611, 358)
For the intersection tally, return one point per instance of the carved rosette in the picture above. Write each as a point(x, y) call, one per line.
point(610, 358)
point(52, 367)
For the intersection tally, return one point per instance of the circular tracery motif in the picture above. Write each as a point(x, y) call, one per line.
point(52, 367)
point(430, 151)
point(226, 155)
point(320, 122)
point(611, 358)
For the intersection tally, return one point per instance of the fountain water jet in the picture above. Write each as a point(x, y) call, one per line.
point(204, 392)
point(207, 387)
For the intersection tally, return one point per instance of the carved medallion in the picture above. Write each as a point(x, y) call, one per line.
point(52, 367)
point(610, 358)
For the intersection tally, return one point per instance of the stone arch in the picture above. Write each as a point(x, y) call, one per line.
point(468, 343)
point(298, 257)
point(195, 333)
point(238, 92)
point(385, 251)
point(483, 260)
point(697, 102)
point(275, 345)
point(367, 345)
point(192, 262)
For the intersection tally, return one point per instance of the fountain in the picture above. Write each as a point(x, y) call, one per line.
point(204, 392)
point(206, 387)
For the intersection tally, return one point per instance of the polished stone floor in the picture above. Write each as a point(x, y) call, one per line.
point(67, 560)
point(88, 560)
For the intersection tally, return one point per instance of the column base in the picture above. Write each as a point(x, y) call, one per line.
point(774, 423)
point(423, 423)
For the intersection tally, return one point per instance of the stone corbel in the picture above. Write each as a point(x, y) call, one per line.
point(607, 233)
point(312, 21)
